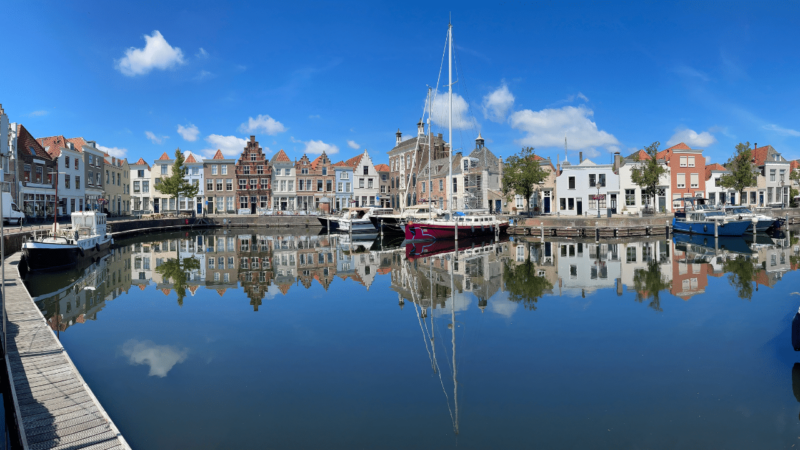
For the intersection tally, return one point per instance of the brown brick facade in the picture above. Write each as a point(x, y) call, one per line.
point(253, 175)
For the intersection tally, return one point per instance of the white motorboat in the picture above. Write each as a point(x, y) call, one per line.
point(66, 246)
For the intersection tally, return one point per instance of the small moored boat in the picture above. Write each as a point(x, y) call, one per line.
point(710, 222)
point(65, 246)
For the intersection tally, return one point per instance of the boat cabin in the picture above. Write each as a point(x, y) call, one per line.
point(89, 223)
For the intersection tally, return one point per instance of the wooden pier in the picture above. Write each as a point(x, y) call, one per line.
point(55, 409)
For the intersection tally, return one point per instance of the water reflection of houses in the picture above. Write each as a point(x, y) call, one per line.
point(221, 261)
point(255, 267)
point(180, 249)
point(587, 267)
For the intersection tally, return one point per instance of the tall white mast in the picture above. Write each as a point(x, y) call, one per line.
point(430, 149)
point(450, 115)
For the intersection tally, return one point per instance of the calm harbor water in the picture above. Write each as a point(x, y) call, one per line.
point(244, 339)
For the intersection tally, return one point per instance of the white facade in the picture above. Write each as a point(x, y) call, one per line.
point(576, 184)
point(71, 188)
point(716, 194)
point(366, 181)
point(4, 144)
point(194, 174)
point(141, 190)
point(631, 200)
point(582, 270)
point(94, 161)
point(284, 178)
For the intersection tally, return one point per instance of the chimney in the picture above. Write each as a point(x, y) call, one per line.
point(755, 145)
point(580, 157)
point(420, 128)
point(479, 142)
point(558, 169)
point(617, 161)
point(399, 136)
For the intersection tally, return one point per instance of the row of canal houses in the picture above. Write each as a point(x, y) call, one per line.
point(419, 171)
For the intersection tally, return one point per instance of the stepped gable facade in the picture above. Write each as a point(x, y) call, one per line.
point(253, 174)
point(405, 161)
point(315, 180)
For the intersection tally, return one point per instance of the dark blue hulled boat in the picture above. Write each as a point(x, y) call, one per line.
point(706, 221)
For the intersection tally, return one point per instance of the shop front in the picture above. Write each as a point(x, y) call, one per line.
point(38, 205)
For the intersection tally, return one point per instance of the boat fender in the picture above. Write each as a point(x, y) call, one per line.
point(740, 218)
point(97, 248)
point(705, 227)
point(80, 250)
point(472, 229)
point(76, 236)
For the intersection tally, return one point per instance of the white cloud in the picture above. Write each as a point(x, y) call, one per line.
point(39, 113)
point(160, 358)
point(497, 104)
point(315, 116)
point(352, 144)
point(461, 117)
point(690, 72)
point(317, 147)
point(231, 146)
point(156, 54)
point(188, 132)
point(114, 151)
point(155, 139)
point(502, 305)
point(781, 130)
point(202, 53)
point(204, 75)
point(263, 123)
point(569, 99)
point(547, 128)
point(691, 138)
point(708, 160)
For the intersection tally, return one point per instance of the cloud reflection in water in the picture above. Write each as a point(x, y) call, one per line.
point(160, 358)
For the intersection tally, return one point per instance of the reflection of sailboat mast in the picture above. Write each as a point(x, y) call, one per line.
point(453, 324)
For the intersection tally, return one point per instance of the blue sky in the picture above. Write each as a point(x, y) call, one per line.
point(143, 78)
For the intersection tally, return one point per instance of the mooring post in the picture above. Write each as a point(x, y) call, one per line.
point(381, 228)
point(542, 227)
point(716, 229)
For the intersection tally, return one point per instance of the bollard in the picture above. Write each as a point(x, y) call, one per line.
point(716, 229)
point(542, 226)
point(381, 228)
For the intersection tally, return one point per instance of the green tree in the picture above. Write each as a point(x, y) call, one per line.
point(741, 274)
point(648, 283)
point(176, 270)
point(740, 166)
point(523, 285)
point(522, 174)
point(176, 185)
point(647, 173)
point(794, 176)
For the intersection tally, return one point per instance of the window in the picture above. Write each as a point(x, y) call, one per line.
point(630, 197)
point(782, 175)
point(243, 202)
point(39, 172)
point(345, 175)
point(319, 185)
point(691, 161)
point(254, 183)
point(107, 177)
point(591, 181)
point(383, 189)
point(304, 171)
point(214, 169)
point(246, 170)
point(66, 182)
point(283, 185)
point(572, 182)
point(228, 184)
point(66, 162)
point(265, 183)
point(694, 179)
point(252, 156)
point(369, 183)
point(77, 164)
point(229, 203)
point(139, 174)
point(712, 197)
point(263, 202)
point(681, 180)
point(631, 254)
point(99, 178)
point(324, 170)
point(91, 159)
point(27, 172)
point(260, 170)
point(366, 170)
point(291, 185)
point(683, 161)
point(455, 185)
point(753, 198)
point(347, 186)
point(195, 171)
point(164, 169)
point(209, 184)
point(300, 184)
point(571, 203)
point(339, 187)
point(361, 183)
point(423, 186)
point(602, 180)
point(145, 186)
point(242, 184)
point(771, 174)
point(329, 186)
point(77, 182)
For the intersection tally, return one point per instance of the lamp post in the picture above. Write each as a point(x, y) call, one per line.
point(598, 199)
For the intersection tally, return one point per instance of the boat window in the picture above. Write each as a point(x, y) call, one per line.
point(714, 214)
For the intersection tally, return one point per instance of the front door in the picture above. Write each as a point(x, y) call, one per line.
point(613, 203)
point(199, 205)
point(761, 198)
point(498, 205)
point(252, 207)
point(547, 205)
point(155, 205)
point(580, 207)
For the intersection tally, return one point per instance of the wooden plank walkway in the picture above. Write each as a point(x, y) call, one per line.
point(54, 406)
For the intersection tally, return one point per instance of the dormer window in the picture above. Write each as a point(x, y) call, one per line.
point(33, 151)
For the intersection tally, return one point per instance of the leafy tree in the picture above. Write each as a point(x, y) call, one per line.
point(523, 285)
point(792, 194)
point(176, 270)
point(176, 185)
point(646, 175)
point(649, 283)
point(741, 274)
point(740, 166)
point(522, 174)
point(794, 175)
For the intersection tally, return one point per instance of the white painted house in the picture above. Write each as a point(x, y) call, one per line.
point(193, 165)
point(284, 195)
point(631, 199)
point(716, 194)
point(578, 188)
point(366, 181)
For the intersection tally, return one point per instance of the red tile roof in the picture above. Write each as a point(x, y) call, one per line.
point(166, 291)
point(354, 161)
point(164, 156)
point(711, 167)
point(190, 159)
point(760, 155)
point(663, 154)
point(78, 143)
point(53, 144)
point(318, 160)
point(793, 165)
point(680, 146)
point(142, 162)
point(25, 142)
point(643, 156)
point(340, 164)
point(218, 155)
point(382, 168)
point(221, 292)
point(281, 157)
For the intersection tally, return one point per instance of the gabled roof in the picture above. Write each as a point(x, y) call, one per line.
point(382, 168)
point(680, 146)
point(53, 144)
point(141, 162)
point(163, 157)
point(641, 154)
point(78, 143)
point(340, 164)
point(318, 160)
point(354, 161)
point(760, 154)
point(794, 165)
point(714, 167)
point(663, 154)
point(190, 159)
point(218, 155)
point(280, 157)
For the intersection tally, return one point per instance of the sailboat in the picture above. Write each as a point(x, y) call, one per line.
point(454, 224)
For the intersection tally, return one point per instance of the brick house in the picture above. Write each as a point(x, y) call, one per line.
point(32, 178)
point(315, 181)
point(405, 162)
point(220, 179)
point(71, 193)
point(687, 168)
point(253, 173)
